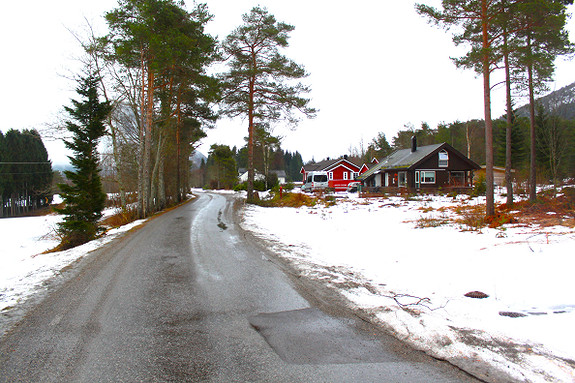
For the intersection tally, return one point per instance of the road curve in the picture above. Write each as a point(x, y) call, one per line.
point(188, 298)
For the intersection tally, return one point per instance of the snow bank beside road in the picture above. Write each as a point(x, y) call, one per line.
point(24, 268)
point(413, 281)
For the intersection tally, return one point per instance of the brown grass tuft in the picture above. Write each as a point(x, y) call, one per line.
point(289, 200)
point(122, 217)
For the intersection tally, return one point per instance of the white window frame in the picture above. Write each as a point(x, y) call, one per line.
point(443, 162)
point(345, 176)
point(424, 176)
point(330, 176)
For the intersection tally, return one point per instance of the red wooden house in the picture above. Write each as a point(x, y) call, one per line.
point(340, 171)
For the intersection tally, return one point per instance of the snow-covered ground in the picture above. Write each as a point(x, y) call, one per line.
point(413, 281)
point(25, 268)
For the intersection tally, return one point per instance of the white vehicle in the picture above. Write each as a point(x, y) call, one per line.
point(315, 181)
point(353, 187)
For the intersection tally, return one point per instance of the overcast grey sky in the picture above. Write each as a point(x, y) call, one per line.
point(374, 66)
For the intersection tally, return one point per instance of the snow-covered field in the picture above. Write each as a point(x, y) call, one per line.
point(413, 281)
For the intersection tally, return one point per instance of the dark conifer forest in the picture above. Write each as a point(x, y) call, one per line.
point(25, 173)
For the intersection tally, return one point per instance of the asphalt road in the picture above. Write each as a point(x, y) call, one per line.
point(189, 298)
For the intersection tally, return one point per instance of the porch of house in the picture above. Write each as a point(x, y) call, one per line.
point(381, 191)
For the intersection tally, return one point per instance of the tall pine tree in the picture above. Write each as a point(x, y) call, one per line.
point(167, 47)
point(84, 198)
point(476, 25)
point(260, 83)
point(542, 40)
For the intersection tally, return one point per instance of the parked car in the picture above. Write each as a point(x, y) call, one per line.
point(315, 181)
point(352, 187)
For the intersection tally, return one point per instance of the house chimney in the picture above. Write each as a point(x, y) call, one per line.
point(413, 144)
point(345, 156)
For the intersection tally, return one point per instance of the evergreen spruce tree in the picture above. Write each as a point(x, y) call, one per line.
point(381, 146)
point(84, 198)
point(25, 172)
point(221, 167)
point(518, 143)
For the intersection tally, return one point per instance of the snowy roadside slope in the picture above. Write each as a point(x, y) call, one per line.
point(413, 281)
point(25, 269)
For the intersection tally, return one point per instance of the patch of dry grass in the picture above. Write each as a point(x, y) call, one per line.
point(289, 200)
point(550, 209)
point(121, 218)
point(432, 221)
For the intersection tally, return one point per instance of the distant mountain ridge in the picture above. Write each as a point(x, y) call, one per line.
point(197, 159)
point(61, 166)
point(560, 103)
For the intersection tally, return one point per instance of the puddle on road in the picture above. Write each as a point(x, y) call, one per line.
point(221, 224)
point(310, 336)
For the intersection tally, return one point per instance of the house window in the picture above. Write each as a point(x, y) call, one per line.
point(355, 175)
point(330, 176)
point(402, 179)
point(443, 159)
point(345, 175)
point(427, 177)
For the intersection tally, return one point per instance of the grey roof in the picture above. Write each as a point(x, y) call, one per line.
point(319, 165)
point(279, 173)
point(402, 159)
point(328, 164)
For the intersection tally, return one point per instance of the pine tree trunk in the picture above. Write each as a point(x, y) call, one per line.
point(178, 179)
point(158, 193)
point(118, 164)
point(508, 164)
point(13, 205)
point(161, 185)
point(146, 162)
point(251, 141)
point(532, 161)
point(489, 192)
point(468, 139)
point(142, 197)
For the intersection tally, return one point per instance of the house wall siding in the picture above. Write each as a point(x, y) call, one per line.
point(339, 181)
point(455, 162)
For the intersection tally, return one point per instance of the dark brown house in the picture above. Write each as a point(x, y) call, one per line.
point(425, 168)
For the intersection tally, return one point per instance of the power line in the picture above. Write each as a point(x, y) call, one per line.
point(19, 174)
point(25, 163)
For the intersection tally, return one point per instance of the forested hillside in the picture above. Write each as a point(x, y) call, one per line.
point(560, 103)
point(555, 138)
